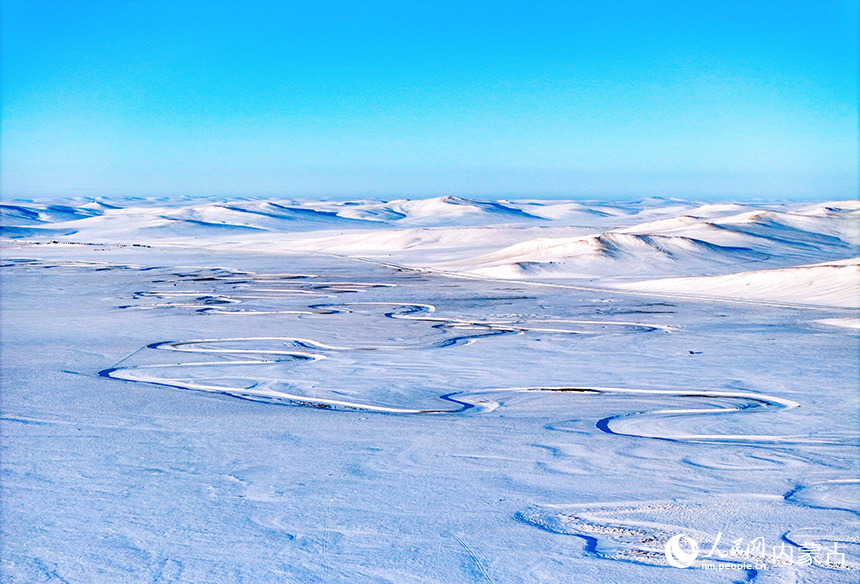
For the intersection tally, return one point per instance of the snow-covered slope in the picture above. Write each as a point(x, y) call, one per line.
point(556, 241)
point(604, 255)
point(826, 284)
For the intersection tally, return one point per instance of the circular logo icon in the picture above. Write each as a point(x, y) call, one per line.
point(678, 556)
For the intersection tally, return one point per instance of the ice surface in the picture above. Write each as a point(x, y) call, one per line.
point(428, 391)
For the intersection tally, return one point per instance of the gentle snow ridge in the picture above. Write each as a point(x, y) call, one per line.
point(656, 245)
point(827, 284)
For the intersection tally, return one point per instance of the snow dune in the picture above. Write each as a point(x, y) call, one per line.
point(606, 254)
point(635, 243)
point(827, 284)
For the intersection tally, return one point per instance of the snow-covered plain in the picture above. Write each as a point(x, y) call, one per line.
point(440, 390)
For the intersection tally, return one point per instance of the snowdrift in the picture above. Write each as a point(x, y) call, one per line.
point(827, 284)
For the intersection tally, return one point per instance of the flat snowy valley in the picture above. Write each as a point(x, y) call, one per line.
point(441, 390)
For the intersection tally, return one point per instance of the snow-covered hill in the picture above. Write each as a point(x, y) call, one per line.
point(599, 243)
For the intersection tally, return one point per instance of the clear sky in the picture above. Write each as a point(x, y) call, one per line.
point(690, 98)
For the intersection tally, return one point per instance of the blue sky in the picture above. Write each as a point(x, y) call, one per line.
point(701, 99)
